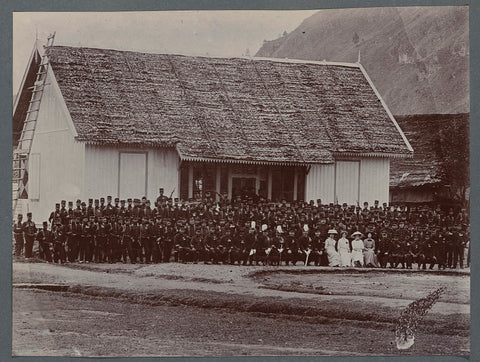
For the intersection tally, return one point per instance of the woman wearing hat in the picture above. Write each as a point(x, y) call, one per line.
point(357, 249)
point(370, 259)
point(330, 248)
point(344, 250)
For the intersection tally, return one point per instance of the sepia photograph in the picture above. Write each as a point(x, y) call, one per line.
point(241, 183)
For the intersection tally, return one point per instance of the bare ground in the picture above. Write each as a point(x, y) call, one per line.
point(210, 310)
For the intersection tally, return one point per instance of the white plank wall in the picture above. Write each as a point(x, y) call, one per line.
point(374, 180)
point(320, 183)
point(102, 172)
point(346, 179)
point(163, 171)
point(57, 169)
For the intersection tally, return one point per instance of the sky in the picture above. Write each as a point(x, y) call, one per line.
point(214, 33)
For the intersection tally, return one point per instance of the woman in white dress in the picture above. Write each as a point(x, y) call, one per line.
point(330, 248)
point(344, 250)
point(357, 249)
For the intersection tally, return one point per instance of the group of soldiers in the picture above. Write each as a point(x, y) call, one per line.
point(241, 231)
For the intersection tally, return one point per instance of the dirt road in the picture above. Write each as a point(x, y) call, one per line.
point(177, 309)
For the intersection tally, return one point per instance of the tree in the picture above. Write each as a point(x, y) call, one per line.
point(453, 148)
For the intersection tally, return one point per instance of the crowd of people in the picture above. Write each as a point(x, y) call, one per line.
point(246, 231)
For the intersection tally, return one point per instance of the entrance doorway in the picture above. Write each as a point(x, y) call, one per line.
point(243, 186)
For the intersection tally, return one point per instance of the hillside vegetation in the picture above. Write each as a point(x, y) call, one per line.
point(417, 57)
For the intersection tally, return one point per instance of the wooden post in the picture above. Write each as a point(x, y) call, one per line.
point(295, 183)
point(190, 181)
point(269, 187)
point(218, 171)
point(257, 180)
point(229, 188)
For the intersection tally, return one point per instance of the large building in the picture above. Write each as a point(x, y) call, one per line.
point(124, 124)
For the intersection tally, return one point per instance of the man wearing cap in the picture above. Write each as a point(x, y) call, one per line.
point(108, 210)
point(116, 207)
point(77, 212)
point(146, 240)
point(75, 234)
point(18, 235)
point(90, 209)
point(55, 216)
point(64, 213)
point(102, 205)
point(161, 199)
point(70, 212)
point(114, 252)
point(45, 242)
point(30, 231)
point(97, 211)
point(82, 239)
point(59, 239)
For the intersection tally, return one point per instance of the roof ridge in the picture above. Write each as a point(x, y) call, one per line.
point(278, 60)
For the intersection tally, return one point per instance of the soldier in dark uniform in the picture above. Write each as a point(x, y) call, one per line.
point(318, 255)
point(440, 248)
point(103, 236)
point(383, 248)
point(83, 240)
point(59, 239)
point(18, 235)
point(69, 212)
point(180, 243)
point(136, 248)
point(123, 242)
point(449, 246)
point(30, 231)
point(90, 209)
point(147, 211)
point(115, 251)
point(77, 212)
point(292, 254)
point(91, 238)
point(116, 207)
point(197, 246)
point(168, 235)
point(45, 242)
point(459, 247)
point(84, 210)
point(146, 240)
point(130, 234)
point(55, 216)
point(123, 211)
point(428, 253)
point(64, 213)
point(109, 209)
point(129, 207)
point(102, 206)
point(73, 230)
point(97, 210)
point(161, 199)
point(157, 240)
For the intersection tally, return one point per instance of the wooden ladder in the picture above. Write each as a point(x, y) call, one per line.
point(22, 152)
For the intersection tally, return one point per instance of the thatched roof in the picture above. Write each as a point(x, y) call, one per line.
point(437, 139)
point(225, 109)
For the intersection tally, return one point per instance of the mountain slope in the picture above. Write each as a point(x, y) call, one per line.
point(417, 57)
